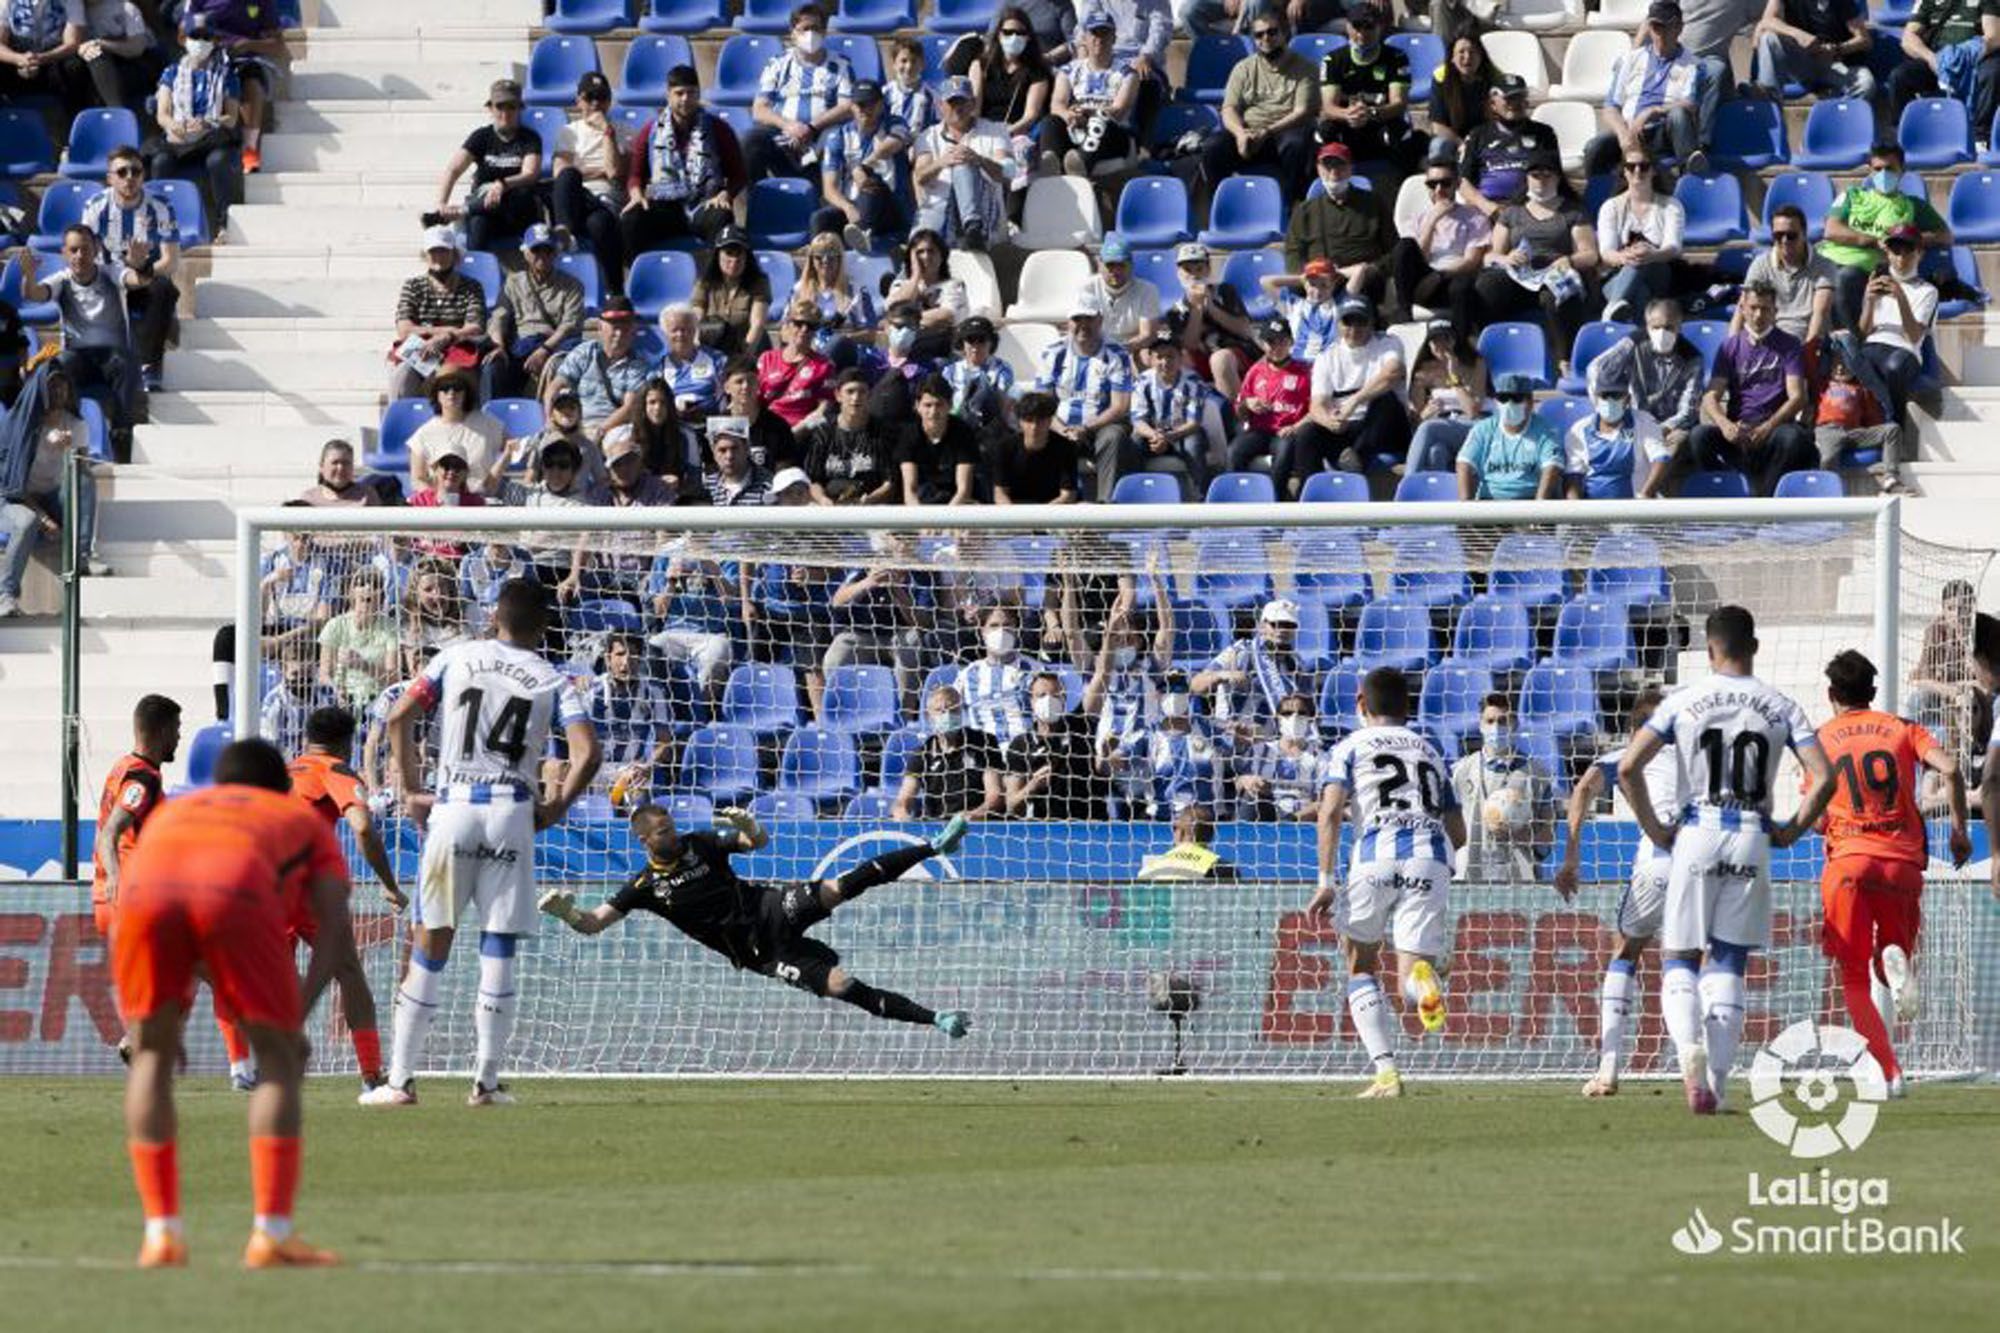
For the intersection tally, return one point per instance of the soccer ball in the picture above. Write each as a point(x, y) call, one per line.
point(1506, 811)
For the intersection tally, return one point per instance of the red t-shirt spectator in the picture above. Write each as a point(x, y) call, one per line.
point(794, 389)
point(427, 498)
point(1282, 392)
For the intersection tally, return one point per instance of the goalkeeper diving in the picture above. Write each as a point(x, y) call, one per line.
point(689, 881)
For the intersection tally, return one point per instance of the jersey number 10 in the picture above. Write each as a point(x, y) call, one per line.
point(1747, 757)
point(507, 737)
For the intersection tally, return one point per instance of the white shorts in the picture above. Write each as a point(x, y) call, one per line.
point(482, 855)
point(1404, 901)
point(1719, 888)
point(1644, 901)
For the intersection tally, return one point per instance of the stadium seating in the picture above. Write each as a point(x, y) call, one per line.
point(1541, 15)
point(25, 148)
point(1394, 634)
point(1317, 46)
point(1934, 133)
point(1973, 210)
point(484, 269)
point(1627, 568)
point(62, 207)
point(1750, 135)
point(1201, 631)
point(1050, 280)
point(1335, 488)
point(1626, 14)
point(690, 811)
point(861, 701)
point(767, 17)
point(1592, 341)
point(1153, 210)
point(520, 418)
point(1707, 336)
point(1331, 571)
point(1714, 209)
point(1715, 486)
point(783, 272)
point(1242, 270)
point(780, 214)
point(92, 136)
point(1146, 488)
point(1562, 411)
point(683, 16)
point(1450, 700)
point(1247, 211)
point(1837, 135)
point(1519, 53)
point(1575, 123)
point(32, 312)
point(203, 751)
point(1232, 568)
point(1339, 705)
point(583, 266)
point(775, 807)
point(1514, 347)
point(874, 16)
point(1427, 565)
point(861, 51)
point(1180, 118)
point(720, 763)
point(642, 79)
point(1418, 487)
point(1157, 267)
point(1587, 64)
point(819, 763)
point(1494, 632)
point(1559, 698)
point(1813, 484)
point(739, 64)
point(399, 422)
point(1210, 58)
point(1810, 191)
point(1961, 263)
point(951, 17)
point(1426, 53)
point(1059, 213)
point(554, 66)
point(658, 280)
point(590, 17)
point(1528, 570)
point(1242, 488)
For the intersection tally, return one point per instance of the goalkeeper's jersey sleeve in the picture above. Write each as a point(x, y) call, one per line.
point(699, 894)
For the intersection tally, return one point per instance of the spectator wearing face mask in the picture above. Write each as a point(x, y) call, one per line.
point(1753, 415)
point(1617, 452)
point(1180, 762)
point(994, 687)
point(1279, 780)
point(1512, 455)
point(1885, 347)
point(1248, 680)
point(1859, 223)
point(1351, 228)
point(1364, 93)
point(1052, 772)
point(802, 93)
point(956, 771)
point(1509, 800)
point(1662, 369)
point(1268, 108)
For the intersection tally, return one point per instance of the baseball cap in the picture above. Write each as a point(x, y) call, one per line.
point(1115, 250)
point(732, 235)
point(619, 442)
point(1515, 386)
point(564, 394)
point(444, 451)
point(1510, 85)
point(539, 237)
point(1906, 231)
point(1437, 326)
point(956, 89)
point(1367, 11)
point(1095, 19)
point(1614, 382)
point(558, 446)
point(1663, 11)
point(1086, 306)
point(734, 427)
point(1162, 340)
point(1317, 268)
point(1354, 307)
point(978, 328)
point(787, 478)
point(503, 90)
point(1544, 161)
point(1279, 612)
point(441, 238)
point(867, 90)
point(1193, 252)
point(617, 309)
point(1339, 150)
point(593, 84)
point(1273, 329)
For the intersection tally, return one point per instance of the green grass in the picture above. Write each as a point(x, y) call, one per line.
point(887, 1206)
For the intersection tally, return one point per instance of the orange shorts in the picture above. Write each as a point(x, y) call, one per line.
point(1869, 904)
point(237, 938)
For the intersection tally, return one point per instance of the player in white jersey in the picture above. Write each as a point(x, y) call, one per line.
point(1645, 897)
point(1730, 732)
point(497, 700)
point(1406, 824)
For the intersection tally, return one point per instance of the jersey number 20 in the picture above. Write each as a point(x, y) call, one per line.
point(1428, 787)
point(507, 737)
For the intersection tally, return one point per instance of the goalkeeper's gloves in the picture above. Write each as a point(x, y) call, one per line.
point(560, 905)
point(743, 822)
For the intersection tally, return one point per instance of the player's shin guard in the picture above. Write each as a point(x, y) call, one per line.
point(1722, 1010)
point(1855, 977)
point(1680, 1005)
point(879, 870)
point(885, 1004)
point(494, 1020)
point(274, 1183)
point(1615, 1006)
point(1372, 1020)
point(156, 1171)
point(416, 1006)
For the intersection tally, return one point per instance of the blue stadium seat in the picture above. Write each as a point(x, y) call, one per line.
point(781, 212)
point(783, 271)
point(1232, 568)
point(207, 747)
point(765, 16)
point(1335, 488)
point(937, 45)
point(1714, 208)
point(1592, 341)
point(583, 266)
point(1514, 347)
point(1242, 270)
point(1178, 118)
point(555, 65)
point(739, 64)
point(1494, 633)
point(605, 615)
point(659, 279)
point(1750, 135)
point(1330, 569)
point(861, 52)
point(819, 763)
point(784, 806)
point(547, 122)
point(1394, 634)
point(899, 749)
point(1812, 192)
point(1540, 745)
point(720, 762)
point(1210, 58)
point(1146, 488)
point(588, 18)
point(1338, 706)
point(32, 312)
point(1316, 644)
point(520, 418)
point(400, 420)
point(1156, 266)
point(874, 807)
point(1561, 412)
point(737, 118)
point(1935, 132)
point(1153, 210)
point(861, 700)
point(1594, 632)
point(1450, 700)
point(1715, 486)
point(1242, 488)
point(1317, 46)
point(92, 136)
point(684, 16)
point(1420, 487)
point(1890, 13)
point(484, 269)
point(25, 148)
point(1427, 55)
point(872, 273)
point(1961, 263)
point(1247, 211)
point(1707, 336)
point(1529, 570)
point(764, 699)
point(1812, 484)
point(190, 218)
point(874, 16)
point(1427, 565)
point(642, 80)
point(1837, 135)
point(1559, 698)
point(1628, 568)
point(62, 207)
point(1974, 208)
point(692, 813)
point(952, 17)
point(1201, 630)
point(631, 120)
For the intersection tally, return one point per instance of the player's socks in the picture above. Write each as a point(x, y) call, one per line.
point(368, 1054)
point(1857, 990)
point(493, 1022)
point(242, 1069)
point(880, 870)
point(1371, 1019)
point(416, 1007)
point(886, 1004)
point(1615, 1006)
point(274, 1182)
point(1680, 1005)
point(156, 1170)
point(1722, 1023)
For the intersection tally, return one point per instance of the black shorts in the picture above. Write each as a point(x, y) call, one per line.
point(784, 915)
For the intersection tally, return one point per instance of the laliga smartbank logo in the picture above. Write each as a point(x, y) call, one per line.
point(1816, 1091)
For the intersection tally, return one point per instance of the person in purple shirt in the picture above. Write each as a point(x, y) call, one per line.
point(1753, 415)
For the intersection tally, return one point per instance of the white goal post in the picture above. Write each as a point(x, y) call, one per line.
point(1041, 926)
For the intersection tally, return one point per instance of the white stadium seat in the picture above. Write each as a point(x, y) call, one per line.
point(1624, 14)
point(982, 286)
point(1586, 71)
point(1574, 123)
point(1060, 212)
point(1050, 280)
point(1519, 53)
point(1541, 15)
point(1021, 347)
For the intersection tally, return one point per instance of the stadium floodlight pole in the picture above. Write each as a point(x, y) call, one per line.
point(1888, 585)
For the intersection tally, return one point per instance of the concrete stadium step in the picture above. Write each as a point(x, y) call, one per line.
point(300, 298)
point(239, 485)
point(343, 410)
point(242, 370)
point(23, 673)
point(401, 185)
point(384, 262)
point(395, 68)
point(282, 335)
point(121, 598)
point(179, 559)
point(427, 145)
point(278, 450)
point(177, 517)
point(362, 15)
point(335, 226)
point(377, 117)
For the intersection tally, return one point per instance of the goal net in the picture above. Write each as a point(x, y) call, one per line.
point(791, 661)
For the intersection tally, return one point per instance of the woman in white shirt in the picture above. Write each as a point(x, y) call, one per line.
point(461, 423)
point(589, 186)
point(1091, 112)
point(1638, 238)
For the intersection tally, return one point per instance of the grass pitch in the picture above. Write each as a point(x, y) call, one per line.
point(892, 1206)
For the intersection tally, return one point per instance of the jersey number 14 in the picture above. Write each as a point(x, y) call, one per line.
point(507, 737)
